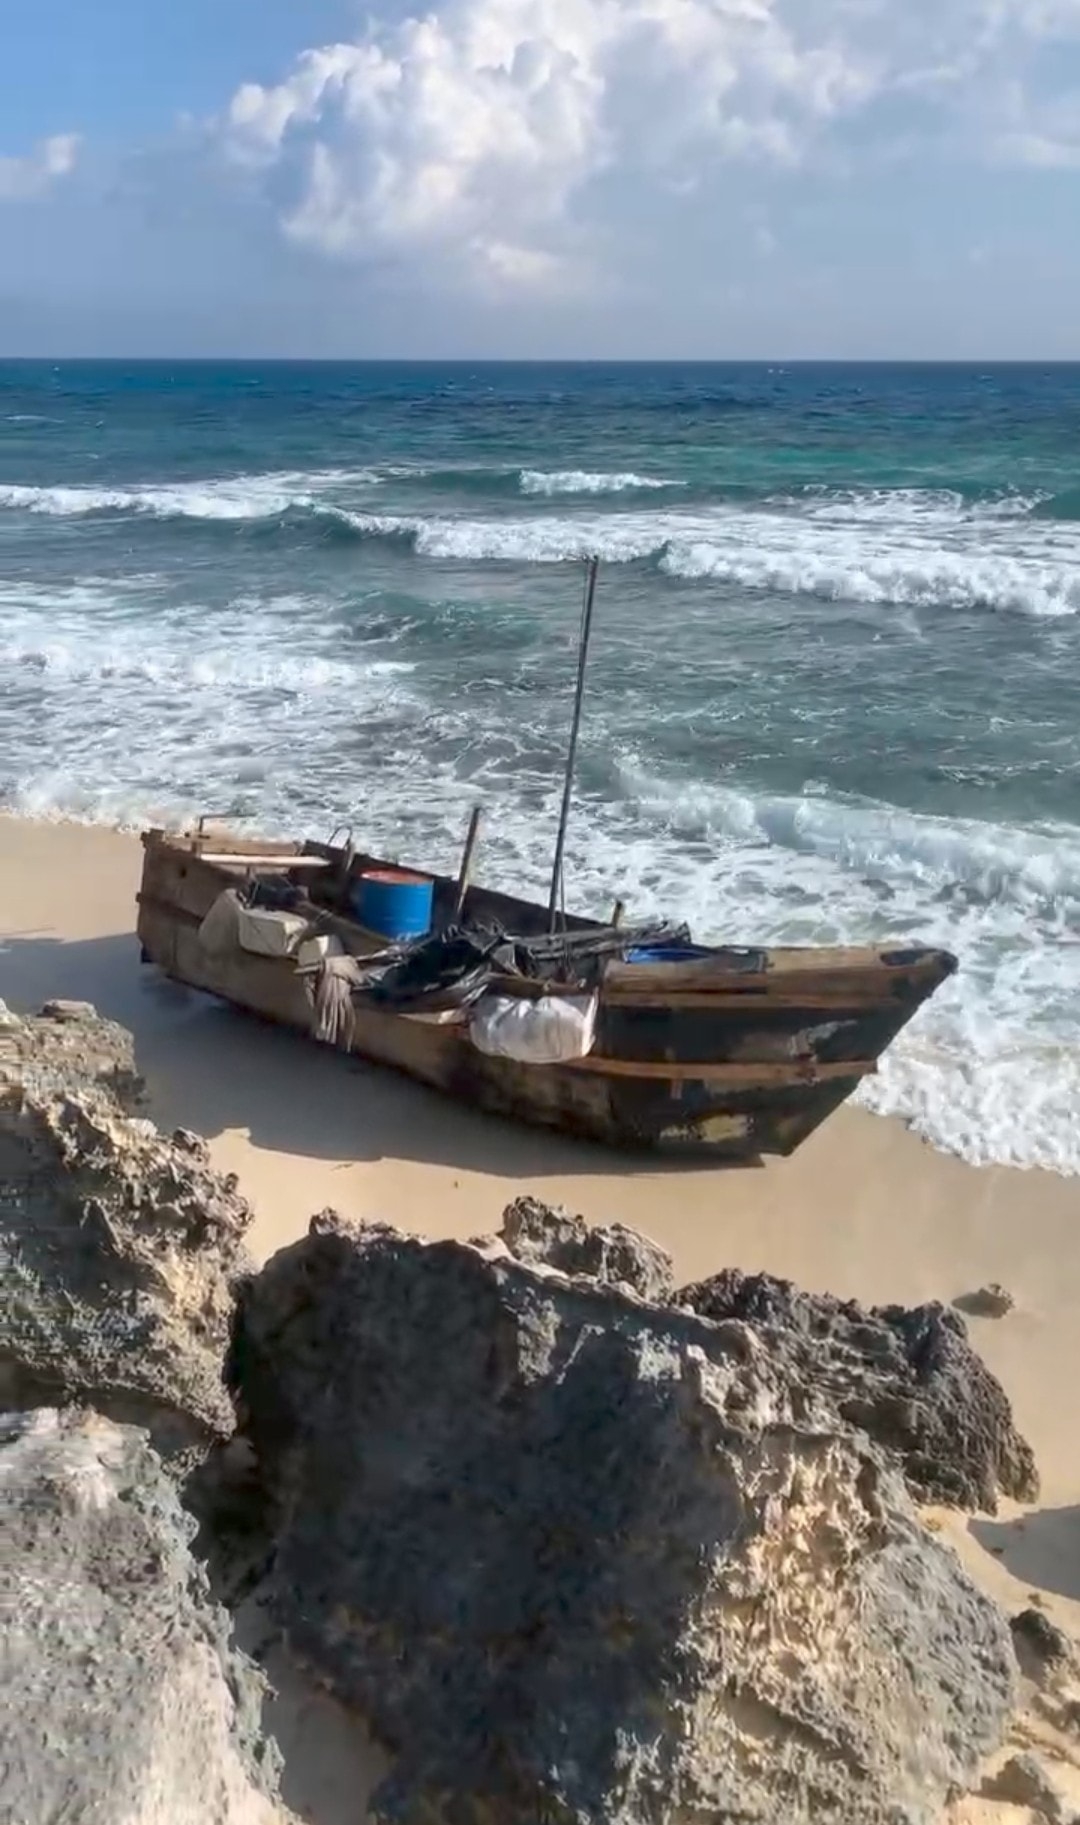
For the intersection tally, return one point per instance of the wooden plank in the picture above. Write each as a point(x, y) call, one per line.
point(798, 1072)
point(269, 986)
point(188, 843)
point(169, 908)
point(262, 860)
point(788, 973)
point(176, 878)
point(724, 1000)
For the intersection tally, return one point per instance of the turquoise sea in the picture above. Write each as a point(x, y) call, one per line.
point(835, 684)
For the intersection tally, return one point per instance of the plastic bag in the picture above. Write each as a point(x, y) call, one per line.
point(549, 1031)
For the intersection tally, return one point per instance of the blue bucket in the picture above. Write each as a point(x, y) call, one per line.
point(667, 953)
point(393, 903)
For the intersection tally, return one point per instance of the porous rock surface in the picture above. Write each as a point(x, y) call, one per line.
point(585, 1558)
point(1040, 1644)
point(124, 1703)
point(119, 1246)
point(908, 1377)
point(1026, 1780)
point(989, 1301)
point(546, 1235)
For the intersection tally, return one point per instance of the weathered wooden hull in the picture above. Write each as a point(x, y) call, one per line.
point(710, 1058)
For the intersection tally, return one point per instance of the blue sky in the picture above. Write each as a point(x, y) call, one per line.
point(122, 70)
point(541, 177)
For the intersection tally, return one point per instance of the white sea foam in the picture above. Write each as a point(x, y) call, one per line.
point(934, 557)
point(241, 497)
point(915, 548)
point(120, 661)
point(1032, 869)
point(584, 481)
point(930, 507)
point(845, 568)
point(85, 634)
point(149, 702)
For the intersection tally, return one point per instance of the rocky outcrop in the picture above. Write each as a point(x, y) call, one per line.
point(124, 1703)
point(908, 1378)
point(579, 1555)
point(611, 1254)
point(1027, 1780)
point(989, 1301)
point(581, 1549)
point(119, 1247)
point(1040, 1644)
point(69, 1046)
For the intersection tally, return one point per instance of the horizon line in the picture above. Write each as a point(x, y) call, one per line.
point(756, 361)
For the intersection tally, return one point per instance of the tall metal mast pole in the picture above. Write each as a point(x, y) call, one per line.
point(592, 567)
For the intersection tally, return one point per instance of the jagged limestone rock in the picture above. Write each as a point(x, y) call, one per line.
point(613, 1254)
point(909, 1378)
point(119, 1247)
point(1040, 1644)
point(989, 1301)
point(124, 1703)
point(69, 1044)
point(587, 1559)
point(1027, 1780)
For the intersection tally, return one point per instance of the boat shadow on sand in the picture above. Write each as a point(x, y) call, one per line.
point(214, 1069)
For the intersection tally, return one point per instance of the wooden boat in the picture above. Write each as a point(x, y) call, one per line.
point(732, 1054)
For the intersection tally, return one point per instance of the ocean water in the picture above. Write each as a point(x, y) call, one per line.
point(835, 685)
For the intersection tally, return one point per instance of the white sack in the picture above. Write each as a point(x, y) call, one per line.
point(549, 1031)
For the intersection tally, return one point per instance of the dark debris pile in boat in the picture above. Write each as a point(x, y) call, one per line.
point(451, 968)
point(275, 892)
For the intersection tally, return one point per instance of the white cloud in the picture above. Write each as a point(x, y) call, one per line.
point(38, 170)
point(473, 129)
point(470, 136)
point(1044, 136)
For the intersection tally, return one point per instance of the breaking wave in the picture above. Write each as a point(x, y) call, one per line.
point(1036, 869)
point(916, 548)
point(962, 566)
point(243, 497)
point(80, 635)
point(583, 481)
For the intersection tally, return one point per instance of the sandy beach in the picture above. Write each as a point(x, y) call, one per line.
point(864, 1210)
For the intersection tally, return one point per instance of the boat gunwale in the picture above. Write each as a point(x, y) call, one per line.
point(916, 969)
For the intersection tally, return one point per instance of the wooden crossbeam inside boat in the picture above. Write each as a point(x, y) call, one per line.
point(264, 861)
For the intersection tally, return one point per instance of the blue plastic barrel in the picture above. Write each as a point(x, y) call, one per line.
point(393, 903)
point(667, 953)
